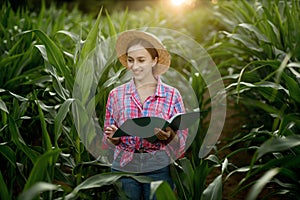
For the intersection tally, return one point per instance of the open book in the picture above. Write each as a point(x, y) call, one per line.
point(144, 126)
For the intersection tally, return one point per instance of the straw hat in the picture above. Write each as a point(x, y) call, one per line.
point(127, 37)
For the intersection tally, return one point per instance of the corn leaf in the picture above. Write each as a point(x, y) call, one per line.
point(251, 28)
point(18, 140)
point(101, 180)
point(73, 36)
point(61, 115)
point(277, 144)
point(187, 176)
point(36, 190)
point(4, 194)
point(288, 122)
point(200, 174)
point(112, 30)
point(9, 154)
point(176, 177)
point(89, 44)
point(214, 190)
point(40, 168)
point(162, 191)
point(293, 87)
point(46, 137)
point(264, 106)
point(3, 106)
point(54, 55)
point(259, 185)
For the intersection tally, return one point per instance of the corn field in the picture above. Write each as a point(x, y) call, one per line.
point(43, 67)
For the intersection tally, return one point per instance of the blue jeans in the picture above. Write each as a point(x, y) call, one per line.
point(136, 190)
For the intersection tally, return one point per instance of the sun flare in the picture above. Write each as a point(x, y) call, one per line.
point(178, 2)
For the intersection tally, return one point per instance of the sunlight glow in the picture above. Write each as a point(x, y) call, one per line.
point(178, 2)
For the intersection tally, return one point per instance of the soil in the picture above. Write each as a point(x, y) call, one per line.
point(235, 119)
point(233, 125)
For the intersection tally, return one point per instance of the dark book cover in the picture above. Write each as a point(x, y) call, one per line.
point(144, 126)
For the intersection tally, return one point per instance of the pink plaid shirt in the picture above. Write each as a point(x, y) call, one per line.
point(124, 103)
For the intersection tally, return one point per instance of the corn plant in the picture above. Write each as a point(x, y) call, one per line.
point(43, 58)
point(260, 46)
point(37, 78)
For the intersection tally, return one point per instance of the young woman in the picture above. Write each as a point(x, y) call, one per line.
point(144, 95)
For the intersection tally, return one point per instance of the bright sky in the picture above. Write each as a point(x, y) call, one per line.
point(177, 2)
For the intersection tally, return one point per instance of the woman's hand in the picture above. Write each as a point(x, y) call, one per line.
point(110, 131)
point(166, 135)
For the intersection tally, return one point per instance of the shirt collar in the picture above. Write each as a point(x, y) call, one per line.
point(131, 89)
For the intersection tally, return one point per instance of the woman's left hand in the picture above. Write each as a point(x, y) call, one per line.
point(168, 134)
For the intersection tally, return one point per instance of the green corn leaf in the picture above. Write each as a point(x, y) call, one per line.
point(101, 180)
point(214, 190)
point(91, 40)
point(84, 80)
point(242, 170)
point(18, 140)
point(8, 153)
point(278, 18)
point(113, 79)
point(214, 159)
point(3, 106)
point(46, 137)
point(200, 174)
point(288, 122)
point(259, 185)
point(124, 20)
point(41, 167)
point(224, 165)
point(8, 60)
point(246, 41)
point(288, 163)
point(273, 33)
point(54, 55)
point(4, 194)
point(61, 115)
point(57, 83)
point(187, 175)
point(277, 144)
point(251, 12)
point(43, 51)
point(256, 103)
point(112, 30)
point(293, 87)
point(36, 190)
point(40, 18)
point(162, 191)
point(291, 67)
point(19, 97)
point(291, 25)
point(250, 27)
point(73, 36)
point(282, 66)
point(85, 67)
point(176, 177)
point(242, 12)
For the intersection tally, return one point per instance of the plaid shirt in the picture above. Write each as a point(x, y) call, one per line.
point(124, 103)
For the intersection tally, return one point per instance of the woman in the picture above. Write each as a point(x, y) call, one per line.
point(144, 95)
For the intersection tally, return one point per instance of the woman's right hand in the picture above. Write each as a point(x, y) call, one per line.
point(110, 131)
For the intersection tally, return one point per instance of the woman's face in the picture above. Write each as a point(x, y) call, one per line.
point(140, 62)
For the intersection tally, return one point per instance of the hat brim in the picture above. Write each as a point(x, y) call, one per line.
point(125, 38)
